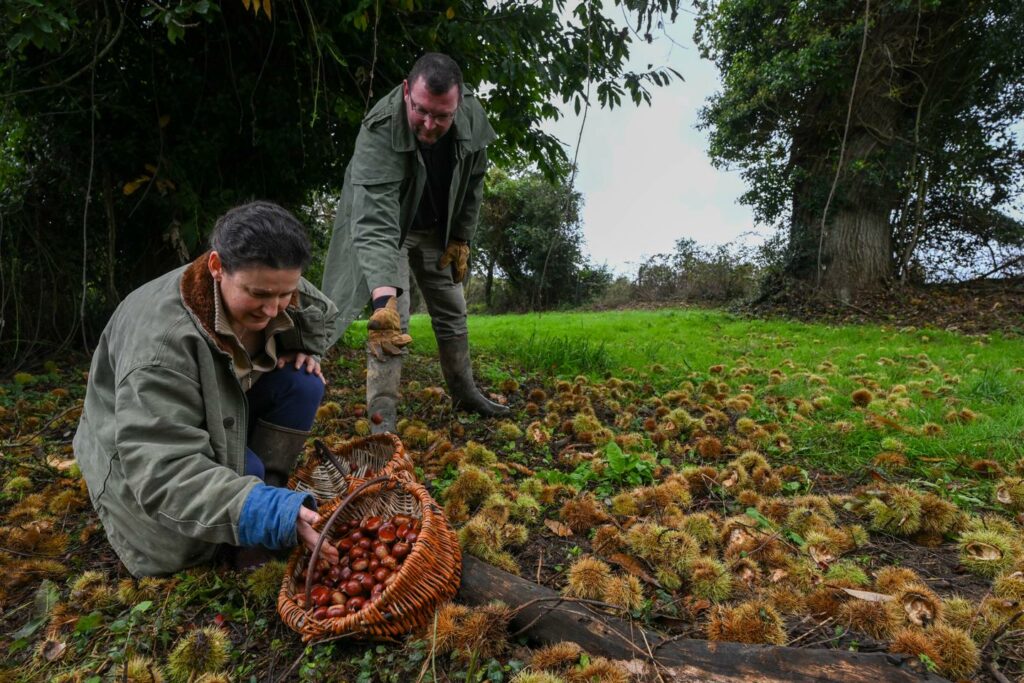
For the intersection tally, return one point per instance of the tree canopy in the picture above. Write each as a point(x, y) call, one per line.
point(530, 238)
point(128, 127)
point(910, 101)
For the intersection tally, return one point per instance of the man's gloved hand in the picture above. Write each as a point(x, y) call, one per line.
point(456, 254)
point(385, 331)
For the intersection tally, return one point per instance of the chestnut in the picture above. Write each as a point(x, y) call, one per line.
point(360, 565)
point(358, 552)
point(352, 588)
point(364, 543)
point(354, 605)
point(390, 562)
point(370, 525)
point(367, 583)
point(377, 590)
point(346, 573)
point(402, 530)
point(399, 520)
point(374, 563)
point(356, 536)
point(381, 574)
point(336, 611)
point(412, 536)
point(400, 549)
point(320, 613)
point(320, 595)
point(338, 598)
point(334, 574)
point(381, 552)
point(386, 533)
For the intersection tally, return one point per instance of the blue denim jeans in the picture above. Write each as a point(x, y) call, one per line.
point(285, 397)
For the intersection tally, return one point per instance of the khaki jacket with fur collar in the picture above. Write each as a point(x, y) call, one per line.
point(161, 441)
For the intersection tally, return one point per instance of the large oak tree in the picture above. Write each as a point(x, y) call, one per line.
point(873, 130)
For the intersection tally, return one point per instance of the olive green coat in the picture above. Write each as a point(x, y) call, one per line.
point(384, 182)
point(161, 441)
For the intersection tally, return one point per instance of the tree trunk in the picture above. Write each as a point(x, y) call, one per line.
point(544, 617)
point(108, 203)
point(489, 286)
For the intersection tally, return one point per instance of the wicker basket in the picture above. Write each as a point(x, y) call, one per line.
point(328, 474)
point(429, 576)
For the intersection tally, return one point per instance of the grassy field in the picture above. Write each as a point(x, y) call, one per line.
point(714, 477)
point(916, 377)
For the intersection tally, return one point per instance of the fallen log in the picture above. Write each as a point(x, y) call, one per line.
point(545, 617)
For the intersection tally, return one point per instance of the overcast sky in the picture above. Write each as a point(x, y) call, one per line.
point(644, 171)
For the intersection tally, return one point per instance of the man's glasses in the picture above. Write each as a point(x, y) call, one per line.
point(437, 118)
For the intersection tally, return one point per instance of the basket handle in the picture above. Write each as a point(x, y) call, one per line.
point(325, 452)
point(330, 522)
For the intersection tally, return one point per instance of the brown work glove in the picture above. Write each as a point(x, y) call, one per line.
point(385, 331)
point(456, 255)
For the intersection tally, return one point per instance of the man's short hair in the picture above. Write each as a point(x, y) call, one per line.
point(438, 71)
point(260, 234)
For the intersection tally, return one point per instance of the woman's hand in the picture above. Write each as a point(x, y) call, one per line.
point(307, 534)
point(302, 359)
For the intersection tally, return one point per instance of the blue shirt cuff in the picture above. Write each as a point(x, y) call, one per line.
point(269, 515)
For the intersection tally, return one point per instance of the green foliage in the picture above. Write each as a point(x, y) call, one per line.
point(926, 151)
point(712, 275)
point(625, 469)
point(530, 245)
point(128, 128)
point(622, 470)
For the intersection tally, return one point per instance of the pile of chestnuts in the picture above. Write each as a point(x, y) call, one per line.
point(371, 552)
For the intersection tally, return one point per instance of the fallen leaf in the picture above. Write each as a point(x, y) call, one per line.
point(867, 595)
point(61, 464)
point(53, 649)
point(558, 528)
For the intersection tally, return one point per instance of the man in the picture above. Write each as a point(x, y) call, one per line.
point(411, 201)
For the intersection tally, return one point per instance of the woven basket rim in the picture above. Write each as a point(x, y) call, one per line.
point(397, 464)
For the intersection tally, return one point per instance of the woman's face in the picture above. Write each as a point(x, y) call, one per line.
point(255, 295)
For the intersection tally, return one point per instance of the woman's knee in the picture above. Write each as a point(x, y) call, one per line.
point(304, 386)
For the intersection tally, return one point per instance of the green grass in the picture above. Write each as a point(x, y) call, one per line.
point(941, 372)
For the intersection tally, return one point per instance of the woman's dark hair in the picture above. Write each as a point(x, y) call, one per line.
point(439, 73)
point(260, 234)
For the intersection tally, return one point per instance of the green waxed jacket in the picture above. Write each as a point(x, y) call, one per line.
point(384, 182)
point(161, 441)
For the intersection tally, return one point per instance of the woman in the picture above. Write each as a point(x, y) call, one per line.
point(201, 394)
